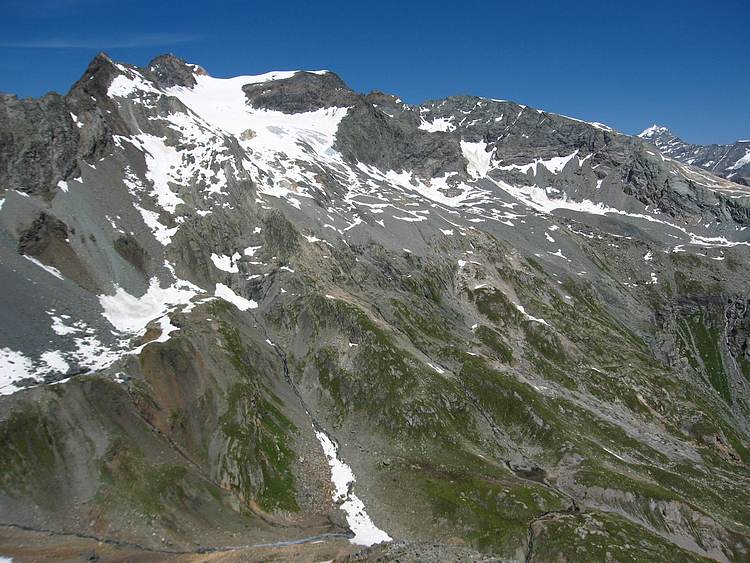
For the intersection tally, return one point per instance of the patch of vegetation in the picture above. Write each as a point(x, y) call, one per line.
point(534, 263)
point(493, 513)
point(142, 395)
point(425, 286)
point(601, 431)
point(30, 453)
point(690, 286)
point(258, 435)
point(278, 491)
point(698, 337)
point(592, 474)
point(160, 482)
point(512, 405)
point(330, 377)
point(496, 306)
point(685, 259)
point(546, 342)
point(218, 307)
point(590, 318)
point(398, 392)
point(494, 342)
point(551, 371)
point(744, 366)
point(596, 536)
point(422, 326)
point(129, 479)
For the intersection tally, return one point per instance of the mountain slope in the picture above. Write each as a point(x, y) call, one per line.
point(729, 161)
point(252, 292)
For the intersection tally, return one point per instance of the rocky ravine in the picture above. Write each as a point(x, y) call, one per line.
point(268, 310)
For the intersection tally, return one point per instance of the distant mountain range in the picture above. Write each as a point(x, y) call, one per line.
point(729, 161)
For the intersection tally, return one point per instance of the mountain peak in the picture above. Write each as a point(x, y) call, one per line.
point(97, 76)
point(100, 61)
point(655, 131)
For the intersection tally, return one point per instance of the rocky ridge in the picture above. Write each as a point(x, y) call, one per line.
point(729, 161)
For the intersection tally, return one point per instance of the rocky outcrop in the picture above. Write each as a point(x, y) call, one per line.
point(369, 135)
point(48, 240)
point(39, 144)
point(305, 91)
point(130, 249)
point(169, 70)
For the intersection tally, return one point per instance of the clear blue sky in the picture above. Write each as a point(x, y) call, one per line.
point(627, 63)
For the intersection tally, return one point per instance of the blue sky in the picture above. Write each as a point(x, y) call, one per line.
point(684, 64)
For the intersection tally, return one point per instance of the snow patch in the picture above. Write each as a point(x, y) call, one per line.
point(13, 366)
point(652, 131)
point(365, 532)
point(554, 164)
point(54, 361)
point(161, 232)
point(227, 294)
point(529, 317)
point(227, 263)
point(742, 161)
point(123, 86)
point(478, 157)
point(436, 368)
point(54, 271)
point(130, 314)
point(538, 199)
point(439, 124)
point(163, 164)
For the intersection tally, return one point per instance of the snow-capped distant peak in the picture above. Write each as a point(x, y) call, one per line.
point(653, 131)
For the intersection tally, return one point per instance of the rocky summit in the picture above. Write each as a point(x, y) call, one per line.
point(270, 318)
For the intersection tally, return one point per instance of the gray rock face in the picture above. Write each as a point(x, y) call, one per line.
point(128, 247)
point(367, 134)
point(47, 239)
point(38, 143)
point(305, 91)
point(729, 161)
point(525, 335)
point(168, 71)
